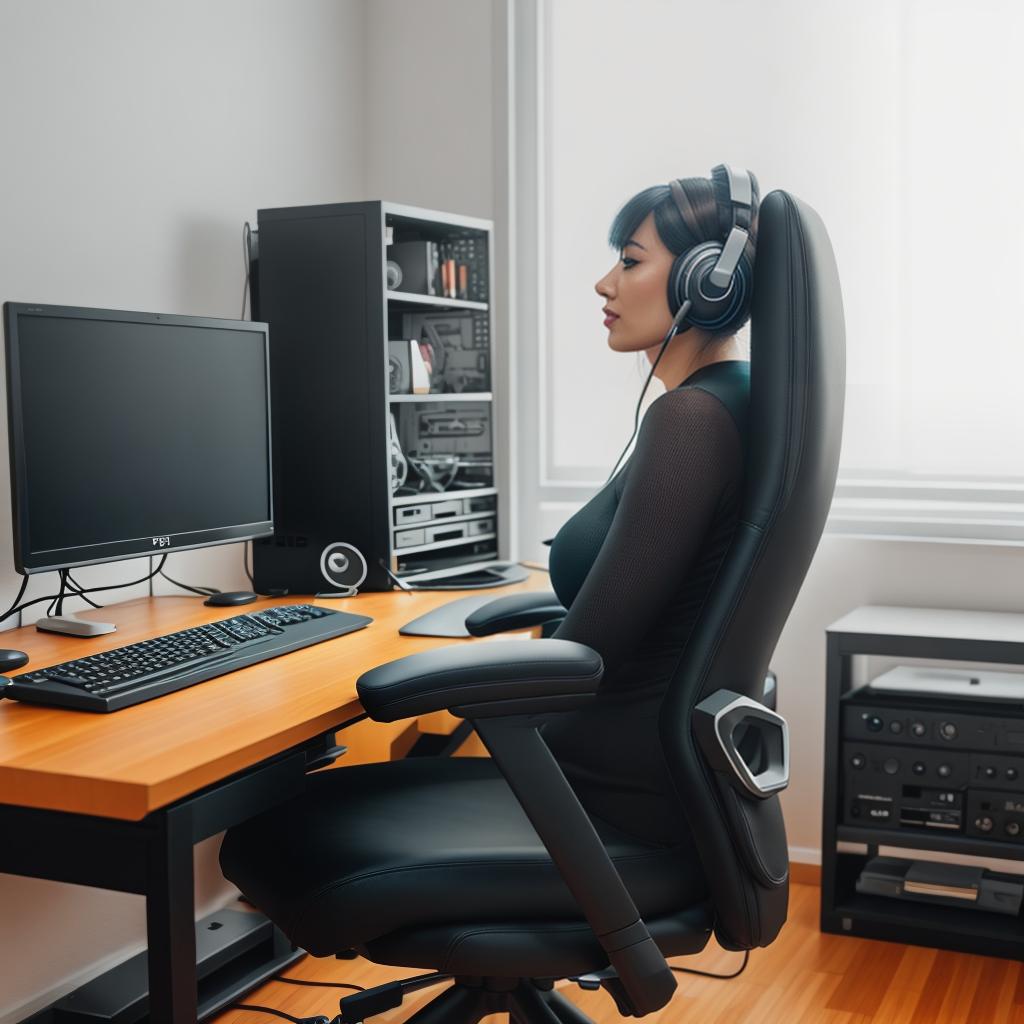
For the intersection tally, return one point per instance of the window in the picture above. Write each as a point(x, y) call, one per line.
point(898, 122)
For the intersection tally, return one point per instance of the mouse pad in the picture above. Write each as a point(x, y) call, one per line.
point(448, 620)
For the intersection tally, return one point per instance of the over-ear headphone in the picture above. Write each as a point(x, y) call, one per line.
point(708, 284)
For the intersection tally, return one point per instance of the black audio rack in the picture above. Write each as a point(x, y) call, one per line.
point(920, 772)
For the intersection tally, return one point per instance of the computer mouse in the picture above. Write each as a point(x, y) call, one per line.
point(10, 660)
point(230, 597)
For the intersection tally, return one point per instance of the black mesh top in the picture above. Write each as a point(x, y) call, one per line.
point(633, 567)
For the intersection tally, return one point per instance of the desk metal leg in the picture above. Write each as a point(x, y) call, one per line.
point(170, 921)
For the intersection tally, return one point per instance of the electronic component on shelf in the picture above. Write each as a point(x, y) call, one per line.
point(933, 764)
point(953, 885)
point(969, 684)
point(459, 343)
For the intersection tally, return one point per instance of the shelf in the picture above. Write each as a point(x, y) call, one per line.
point(454, 396)
point(489, 513)
point(983, 924)
point(412, 299)
point(929, 841)
point(439, 545)
point(416, 499)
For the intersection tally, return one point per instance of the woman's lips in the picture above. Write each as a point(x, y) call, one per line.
point(610, 319)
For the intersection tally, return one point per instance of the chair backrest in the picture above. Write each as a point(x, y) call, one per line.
point(797, 386)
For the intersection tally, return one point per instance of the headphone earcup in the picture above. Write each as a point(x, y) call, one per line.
point(710, 307)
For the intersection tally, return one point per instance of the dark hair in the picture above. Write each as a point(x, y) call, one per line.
point(709, 198)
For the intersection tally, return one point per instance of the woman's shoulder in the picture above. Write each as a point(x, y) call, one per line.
point(719, 391)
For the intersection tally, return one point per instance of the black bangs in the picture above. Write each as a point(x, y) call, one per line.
point(670, 227)
point(631, 216)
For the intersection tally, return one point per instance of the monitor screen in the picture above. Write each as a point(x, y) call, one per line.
point(134, 433)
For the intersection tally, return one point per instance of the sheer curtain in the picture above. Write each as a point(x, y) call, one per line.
point(898, 120)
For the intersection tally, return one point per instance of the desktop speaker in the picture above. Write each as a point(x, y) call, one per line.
point(344, 568)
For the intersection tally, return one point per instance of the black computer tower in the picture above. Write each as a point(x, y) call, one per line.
point(382, 401)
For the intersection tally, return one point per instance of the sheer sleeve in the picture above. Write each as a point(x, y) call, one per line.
point(687, 455)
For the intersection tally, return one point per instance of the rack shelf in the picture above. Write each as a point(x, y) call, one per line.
point(344, 439)
point(935, 635)
point(412, 299)
point(447, 396)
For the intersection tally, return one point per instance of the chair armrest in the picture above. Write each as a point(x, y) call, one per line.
point(514, 611)
point(483, 680)
point(502, 687)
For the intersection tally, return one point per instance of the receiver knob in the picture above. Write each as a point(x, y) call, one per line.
point(948, 731)
point(918, 729)
point(1013, 828)
point(891, 766)
point(874, 723)
point(1011, 773)
point(983, 824)
point(857, 761)
point(945, 771)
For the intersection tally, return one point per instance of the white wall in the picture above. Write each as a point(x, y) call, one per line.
point(137, 139)
point(429, 131)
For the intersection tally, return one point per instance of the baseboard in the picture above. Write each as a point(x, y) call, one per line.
point(805, 865)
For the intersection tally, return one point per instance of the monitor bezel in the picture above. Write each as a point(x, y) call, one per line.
point(28, 562)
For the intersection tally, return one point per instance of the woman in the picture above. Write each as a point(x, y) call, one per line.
point(635, 564)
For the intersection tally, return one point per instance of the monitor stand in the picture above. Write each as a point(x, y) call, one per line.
point(71, 625)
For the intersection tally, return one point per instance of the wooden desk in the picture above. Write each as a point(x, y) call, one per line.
point(118, 800)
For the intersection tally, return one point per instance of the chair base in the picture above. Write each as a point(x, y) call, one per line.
point(525, 1001)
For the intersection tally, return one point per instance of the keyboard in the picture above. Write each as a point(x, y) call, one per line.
point(141, 671)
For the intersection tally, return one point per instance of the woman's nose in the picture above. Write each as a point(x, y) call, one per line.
point(604, 286)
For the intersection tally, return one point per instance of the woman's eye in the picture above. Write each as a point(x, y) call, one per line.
point(628, 262)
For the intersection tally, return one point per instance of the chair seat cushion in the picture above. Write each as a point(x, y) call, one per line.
point(374, 849)
point(529, 949)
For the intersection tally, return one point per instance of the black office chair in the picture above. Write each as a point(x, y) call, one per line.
point(488, 870)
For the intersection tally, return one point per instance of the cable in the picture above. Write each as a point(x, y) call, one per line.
point(201, 591)
point(677, 320)
point(246, 241)
point(21, 593)
point(280, 1013)
point(131, 583)
point(246, 548)
point(710, 974)
point(78, 591)
point(402, 585)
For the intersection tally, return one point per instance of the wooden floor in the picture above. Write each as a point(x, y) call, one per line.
point(802, 977)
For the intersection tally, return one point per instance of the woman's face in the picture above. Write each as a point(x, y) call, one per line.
point(636, 291)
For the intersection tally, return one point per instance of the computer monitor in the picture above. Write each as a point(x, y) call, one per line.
point(134, 433)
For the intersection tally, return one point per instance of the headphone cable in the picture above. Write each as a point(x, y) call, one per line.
point(676, 321)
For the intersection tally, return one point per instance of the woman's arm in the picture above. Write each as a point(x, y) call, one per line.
point(687, 454)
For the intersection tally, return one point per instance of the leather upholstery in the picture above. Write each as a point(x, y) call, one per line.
point(539, 949)
point(797, 390)
point(427, 843)
point(515, 611)
point(476, 674)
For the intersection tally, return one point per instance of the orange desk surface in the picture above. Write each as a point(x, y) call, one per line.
point(130, 762)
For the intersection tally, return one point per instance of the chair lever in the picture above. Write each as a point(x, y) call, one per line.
point(355, 1008)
